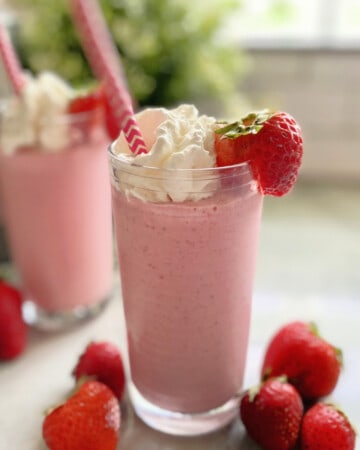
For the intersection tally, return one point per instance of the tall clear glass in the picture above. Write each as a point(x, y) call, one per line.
point(187, 269)
point(57, 212)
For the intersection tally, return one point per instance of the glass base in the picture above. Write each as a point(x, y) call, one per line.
point(182, 424)
point(41, 319)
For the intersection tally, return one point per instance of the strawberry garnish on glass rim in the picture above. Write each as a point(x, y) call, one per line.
point(87, 110)
point(272, 144)
point(86, 101)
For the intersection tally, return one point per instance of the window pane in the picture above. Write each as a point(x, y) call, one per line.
point(284, 22)
point(276, 19)
point(348, 25)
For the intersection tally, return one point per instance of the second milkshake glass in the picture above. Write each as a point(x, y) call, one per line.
point(187, 270)
point(57, 210)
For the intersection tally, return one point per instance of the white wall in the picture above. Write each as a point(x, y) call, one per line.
point(321, 89)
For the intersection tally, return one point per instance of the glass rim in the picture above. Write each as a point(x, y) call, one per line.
point(125, 161)
point(69, 117)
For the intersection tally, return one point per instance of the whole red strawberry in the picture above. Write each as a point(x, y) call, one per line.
point(90, 102)
point(102, 360)
point(272, 144)
point(89, 420)
point(272, 414)
point(12, 327)
point(310, 363)
point(325, 427)
point(86, 101)
point(88, 110)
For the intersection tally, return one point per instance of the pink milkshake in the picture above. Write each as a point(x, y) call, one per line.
point(57, 212)
point(187, 241)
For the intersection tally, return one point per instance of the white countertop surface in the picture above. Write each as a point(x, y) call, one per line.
point(41, 377)
point(308, 269)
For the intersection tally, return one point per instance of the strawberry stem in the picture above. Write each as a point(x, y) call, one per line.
point(250, 124)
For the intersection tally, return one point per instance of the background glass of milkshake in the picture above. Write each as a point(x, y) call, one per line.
point(187, 242)
point(56, 204)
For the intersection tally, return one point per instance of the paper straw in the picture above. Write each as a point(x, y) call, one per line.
point(104, 60)
point(11, 61)
point(124, 115)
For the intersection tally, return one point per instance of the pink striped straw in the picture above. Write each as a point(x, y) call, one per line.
point(11, 61)
point(104, 60)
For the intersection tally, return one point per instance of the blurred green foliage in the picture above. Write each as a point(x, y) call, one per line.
point(170, 49)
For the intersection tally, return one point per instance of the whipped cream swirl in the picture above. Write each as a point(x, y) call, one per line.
point(36, 118)
point(177, 139)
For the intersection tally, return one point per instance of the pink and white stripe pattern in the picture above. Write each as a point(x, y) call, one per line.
point(124, 114)
point(11, 62)
point(104, 60)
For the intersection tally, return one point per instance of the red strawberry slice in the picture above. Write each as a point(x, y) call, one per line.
point(89, 420)
point(272, 414)
point(272, 144)
point(325, 427)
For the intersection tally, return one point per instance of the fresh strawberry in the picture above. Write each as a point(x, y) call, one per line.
point(86, 102)
point(102, 361)
point(325, 427)
point(88, 111)
point(92, 100)
point(272, 144)
point(231, 151)
point(89, 420)
point(12, 327)
point(310, 363)
point(272, 414)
